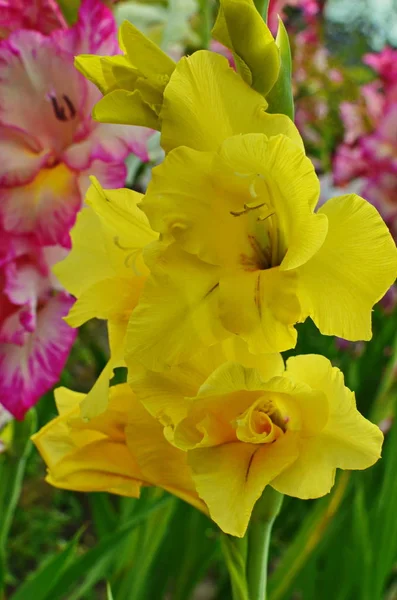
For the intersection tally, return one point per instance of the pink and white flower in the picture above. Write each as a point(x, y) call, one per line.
point(34, 340)
point(49, 142)
point(49, 145)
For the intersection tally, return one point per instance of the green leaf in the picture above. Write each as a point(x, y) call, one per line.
point(280, 97)
point(109, 592)
point(306, 541)
point(41, 584)
point(12, 469)
point(95, 565)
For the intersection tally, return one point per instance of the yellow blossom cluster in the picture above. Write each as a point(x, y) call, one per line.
point(202, 281)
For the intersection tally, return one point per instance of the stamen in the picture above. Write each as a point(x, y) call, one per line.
point(131, 258)
point(266, 216)
point(59, 110)
point(70, 106)
point(247, 208)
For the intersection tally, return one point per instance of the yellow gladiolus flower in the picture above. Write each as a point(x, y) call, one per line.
point(248, 255)
point(119, 451)
point(132, 83)
point(241, 28)
point(107, 246)
point(242, 432)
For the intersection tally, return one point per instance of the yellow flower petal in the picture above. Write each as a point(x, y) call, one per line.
point(225, 106)
point(89, 456)
point(176, 315)
point(261, 307)
point(90, 65)
point(88, 256)
point(195, 198)
point(161, 463)
point(231, 477)
point(124, 107)
point(352, 441)
point(106, 299)
point(352, 270)
point(240, 27)
point(145, 54)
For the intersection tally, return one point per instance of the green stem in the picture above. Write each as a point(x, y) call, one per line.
point(205, 14)
point(259, 534)
point(262, 6)
point(234, 552)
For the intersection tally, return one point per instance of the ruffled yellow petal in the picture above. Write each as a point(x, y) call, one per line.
point(161, 463)
point(261, 307)
point(352, 441)
point(176, 315)
point(231, 477)
point(240, 27)
point(89, 456)
point(353, 269)
point(225, 106)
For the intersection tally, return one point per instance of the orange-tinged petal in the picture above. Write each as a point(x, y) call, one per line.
point(161, 463)
point(231, 477)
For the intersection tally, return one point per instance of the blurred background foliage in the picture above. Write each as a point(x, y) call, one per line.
point(62, 545)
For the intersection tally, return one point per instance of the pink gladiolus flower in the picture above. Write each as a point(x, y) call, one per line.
point(34, 340)
point(40, 15)
point(49, 142)
point(49, 145)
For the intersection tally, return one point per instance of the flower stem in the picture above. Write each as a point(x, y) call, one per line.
point(259, 534)
point(262, 7)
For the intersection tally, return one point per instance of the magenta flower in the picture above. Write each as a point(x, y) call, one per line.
point(34, 340)
point(49, 142)
point(49, 145)
point(40, 15)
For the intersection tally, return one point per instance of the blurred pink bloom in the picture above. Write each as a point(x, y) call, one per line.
point(34, 340)
point(40, 15)
point(385, 64)
point(309, 8)
point(49, 142)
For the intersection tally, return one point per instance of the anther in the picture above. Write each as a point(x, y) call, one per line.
point(266, 216)
point(247, 208)
point(59, 109)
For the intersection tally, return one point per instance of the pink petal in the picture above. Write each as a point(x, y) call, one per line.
point(109, 143)
point(40, 90)
point(109, 175)
point(41, 15)
point(28, 372)
point(94, 33)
